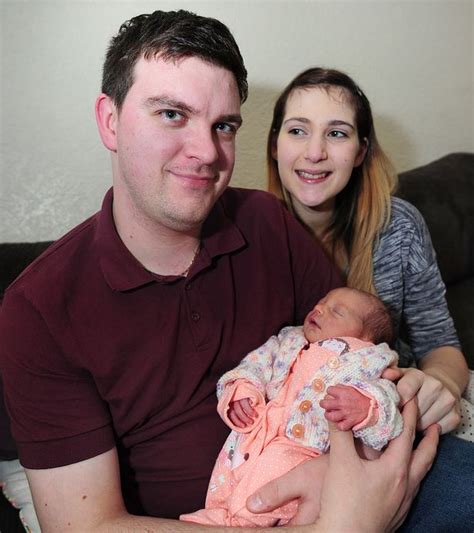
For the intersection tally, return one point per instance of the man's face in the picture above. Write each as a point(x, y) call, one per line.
point(175, 142)
point(338, 314)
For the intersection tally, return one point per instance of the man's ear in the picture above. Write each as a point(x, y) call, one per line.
point(106, 117)
point(364, 146)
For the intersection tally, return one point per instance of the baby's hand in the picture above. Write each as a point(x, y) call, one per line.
point(241, 413)
point(345, 406)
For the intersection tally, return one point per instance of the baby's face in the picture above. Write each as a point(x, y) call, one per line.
point(338, 314)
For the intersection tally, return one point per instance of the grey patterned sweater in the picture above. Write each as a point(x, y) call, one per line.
point(407, 279)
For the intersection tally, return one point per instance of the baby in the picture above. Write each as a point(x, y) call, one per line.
point(278, 399)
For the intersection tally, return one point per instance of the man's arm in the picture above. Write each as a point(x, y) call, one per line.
point(86, 496)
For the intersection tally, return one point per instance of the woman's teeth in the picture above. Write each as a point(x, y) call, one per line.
point(311, 175)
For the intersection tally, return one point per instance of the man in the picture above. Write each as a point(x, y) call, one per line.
point(112, 342)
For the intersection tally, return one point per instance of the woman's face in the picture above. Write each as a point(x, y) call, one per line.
point(317, 146)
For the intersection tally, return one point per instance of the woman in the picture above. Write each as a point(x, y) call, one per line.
point(325, 163)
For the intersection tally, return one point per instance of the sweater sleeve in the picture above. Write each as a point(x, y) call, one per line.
point(389, 423)
point(408, 280)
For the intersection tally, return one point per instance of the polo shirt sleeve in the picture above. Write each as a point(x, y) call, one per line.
point(36, 373)
point(314, 274)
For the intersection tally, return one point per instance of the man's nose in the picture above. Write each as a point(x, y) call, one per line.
point(203, 146)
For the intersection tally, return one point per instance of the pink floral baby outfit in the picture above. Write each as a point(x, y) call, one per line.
point(285, 380)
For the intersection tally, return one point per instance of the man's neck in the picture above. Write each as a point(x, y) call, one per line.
point(160, 249)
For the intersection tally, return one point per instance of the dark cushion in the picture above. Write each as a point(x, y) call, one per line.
point(460, 298)
point(443, 191)
point(14, 258)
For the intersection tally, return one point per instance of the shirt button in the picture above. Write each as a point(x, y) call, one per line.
point(195, 316)
point(305, 406)
point(298, 431)
point(188, 286)
point(333, 362)
point(318, 385)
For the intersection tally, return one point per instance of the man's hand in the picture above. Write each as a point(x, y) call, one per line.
point(345, 406)
point(437, 403)
point(351, 493)
point(303, 482)
point(384, 488)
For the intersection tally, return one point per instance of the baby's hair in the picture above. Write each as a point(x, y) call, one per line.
point(378, 321)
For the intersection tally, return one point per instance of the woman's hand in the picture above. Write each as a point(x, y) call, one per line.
point(437, 403)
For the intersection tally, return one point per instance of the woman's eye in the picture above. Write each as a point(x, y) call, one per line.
point(337, 134)
point(296, 131)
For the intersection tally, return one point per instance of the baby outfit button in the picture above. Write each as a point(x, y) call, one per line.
point(195, 316)
point(298, 431)
point(318, 385)
point(333, 362)
point(305, 406)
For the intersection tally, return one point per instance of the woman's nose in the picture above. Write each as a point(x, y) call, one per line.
point(316, 149)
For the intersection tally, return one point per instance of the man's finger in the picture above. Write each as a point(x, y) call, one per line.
point(274, 494)
point(401, 447)
point(342, 447)
point(423, 456)
point(307, 513)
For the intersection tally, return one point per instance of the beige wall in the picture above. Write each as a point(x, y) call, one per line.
point(412, 58)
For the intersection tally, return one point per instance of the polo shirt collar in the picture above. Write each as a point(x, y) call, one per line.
point(123, 271)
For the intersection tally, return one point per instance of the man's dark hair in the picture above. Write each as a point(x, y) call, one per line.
point(172, 35)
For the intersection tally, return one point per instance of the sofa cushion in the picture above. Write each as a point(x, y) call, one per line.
point(15, 257)
point(460, 298)
point(443, 191)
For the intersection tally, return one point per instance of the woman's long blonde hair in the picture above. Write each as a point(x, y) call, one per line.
point(362, 208)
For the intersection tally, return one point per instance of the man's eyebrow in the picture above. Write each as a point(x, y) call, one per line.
point(154, 101)
point(236, 119)
point(335, 122)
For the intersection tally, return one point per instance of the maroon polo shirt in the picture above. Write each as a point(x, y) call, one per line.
point(96, 351)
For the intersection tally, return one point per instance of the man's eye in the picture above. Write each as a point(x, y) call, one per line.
point(225, 127)
point(171, 115)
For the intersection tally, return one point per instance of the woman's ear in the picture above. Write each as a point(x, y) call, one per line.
point(106, 117)
point(364, 146)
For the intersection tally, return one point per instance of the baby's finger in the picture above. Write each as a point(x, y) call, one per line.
point(234, 419)
point(393, 373)
point(247, 408)
point(246, 420)
point(329, 403)
point(334, 416)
